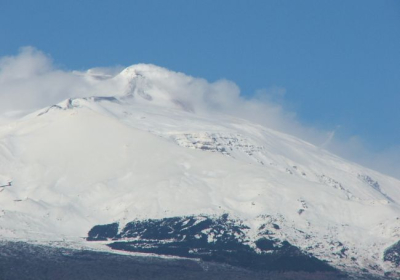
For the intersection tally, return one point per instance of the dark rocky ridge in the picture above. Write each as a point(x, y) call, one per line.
point(220, 240)
point(392, 254)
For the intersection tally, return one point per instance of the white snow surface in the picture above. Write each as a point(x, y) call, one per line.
point(146, 152)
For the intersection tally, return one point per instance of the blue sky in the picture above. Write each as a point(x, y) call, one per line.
point(338, 62)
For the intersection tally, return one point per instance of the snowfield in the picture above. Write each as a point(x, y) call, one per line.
point(146, 153)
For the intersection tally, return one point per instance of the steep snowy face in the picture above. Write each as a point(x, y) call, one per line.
point(153, 151)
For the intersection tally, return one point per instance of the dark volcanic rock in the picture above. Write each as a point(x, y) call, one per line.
point(220, 240)
point(103, 232)
point(392, 254)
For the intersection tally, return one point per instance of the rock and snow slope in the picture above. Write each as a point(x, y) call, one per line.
point(145, 152)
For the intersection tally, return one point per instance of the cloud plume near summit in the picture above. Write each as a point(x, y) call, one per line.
point(30, 81)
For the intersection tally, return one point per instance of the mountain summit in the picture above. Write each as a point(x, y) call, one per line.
point(154, 167)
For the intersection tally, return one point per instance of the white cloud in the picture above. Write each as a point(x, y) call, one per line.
point(30, 81)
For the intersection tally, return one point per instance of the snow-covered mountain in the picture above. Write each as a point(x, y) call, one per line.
point(147, 156)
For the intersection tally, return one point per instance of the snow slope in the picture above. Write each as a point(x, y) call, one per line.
point(145, 151)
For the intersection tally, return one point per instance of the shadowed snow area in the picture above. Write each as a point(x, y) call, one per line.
point(150, 151)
